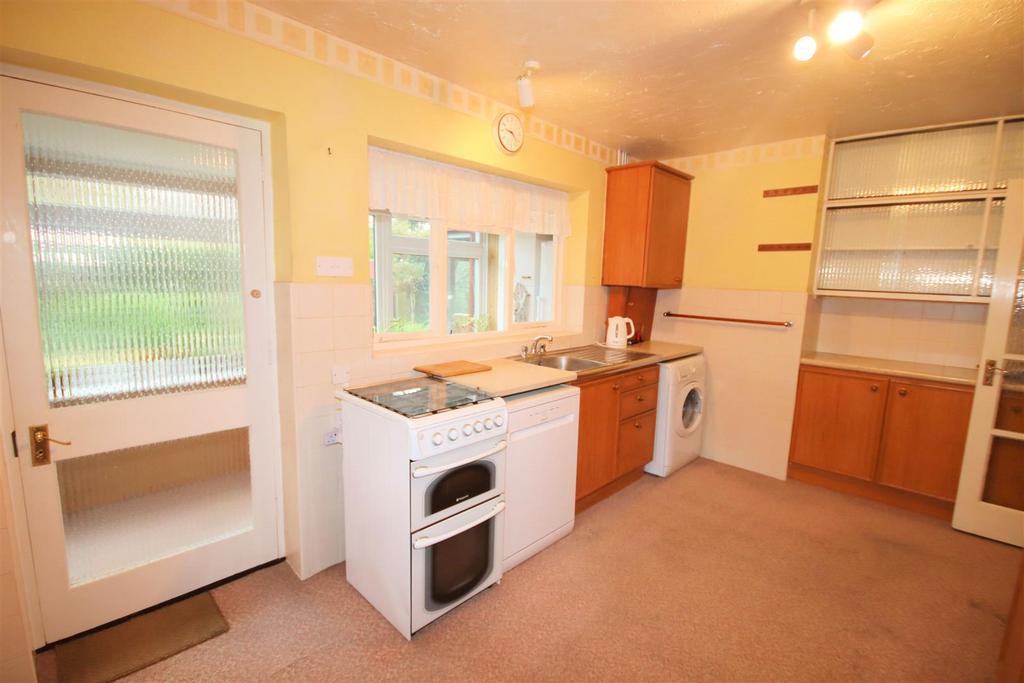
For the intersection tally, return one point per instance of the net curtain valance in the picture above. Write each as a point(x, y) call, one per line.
point(459, 198)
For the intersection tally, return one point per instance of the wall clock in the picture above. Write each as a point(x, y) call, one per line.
point(509, 133)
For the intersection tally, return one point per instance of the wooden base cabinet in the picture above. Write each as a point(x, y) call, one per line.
point(895, 440)
point(923, 441)
point(617, 416)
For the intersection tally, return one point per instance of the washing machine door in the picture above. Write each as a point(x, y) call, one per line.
point(688, 410)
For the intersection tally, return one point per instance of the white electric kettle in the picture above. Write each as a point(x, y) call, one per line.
point(617, 335)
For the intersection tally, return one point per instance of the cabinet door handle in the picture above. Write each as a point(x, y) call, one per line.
point(902, 392)
point(640, 398)
point(874, 387)
point(636, 424)
point(615, 387)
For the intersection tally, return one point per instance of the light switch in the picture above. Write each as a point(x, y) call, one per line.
point(334, 266)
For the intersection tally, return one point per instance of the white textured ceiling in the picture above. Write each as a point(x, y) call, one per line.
point(673, 78)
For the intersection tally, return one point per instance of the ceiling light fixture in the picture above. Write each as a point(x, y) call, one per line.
point(846, 26)
point(524, 86)
point(805, 46)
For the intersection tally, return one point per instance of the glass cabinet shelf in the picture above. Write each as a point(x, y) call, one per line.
point(917, 214)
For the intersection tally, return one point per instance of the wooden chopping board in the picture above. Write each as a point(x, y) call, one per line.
point(452, 369)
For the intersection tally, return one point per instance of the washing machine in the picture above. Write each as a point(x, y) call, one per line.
point(679, 427)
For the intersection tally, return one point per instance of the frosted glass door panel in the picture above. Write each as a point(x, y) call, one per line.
point(1011, 156)
point(125, 508)
point(988, 259)
point(950, 160)
point(137, 256)
point(915, 248)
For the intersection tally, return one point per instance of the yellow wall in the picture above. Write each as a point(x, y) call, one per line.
point(729, 217)
point(320, 199)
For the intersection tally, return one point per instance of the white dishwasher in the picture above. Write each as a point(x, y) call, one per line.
point(540, 470)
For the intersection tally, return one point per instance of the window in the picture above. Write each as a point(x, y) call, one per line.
point(533, 298)
point(400, 257)
point(458, 252)
point(475, 281)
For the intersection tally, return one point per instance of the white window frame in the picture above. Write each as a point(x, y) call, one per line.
point(438, 253)
point(988, 195)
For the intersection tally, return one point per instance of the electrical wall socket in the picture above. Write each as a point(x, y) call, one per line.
point(334, 266)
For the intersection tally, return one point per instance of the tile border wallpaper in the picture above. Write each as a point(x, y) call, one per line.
point(280, 32)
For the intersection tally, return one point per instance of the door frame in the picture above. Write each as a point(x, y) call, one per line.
point(19, 523)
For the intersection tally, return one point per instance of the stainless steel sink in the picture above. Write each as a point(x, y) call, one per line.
point(586, 359)
point(569, 363)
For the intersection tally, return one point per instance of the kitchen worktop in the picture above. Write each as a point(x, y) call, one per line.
point(508, 376)
point(896, 368)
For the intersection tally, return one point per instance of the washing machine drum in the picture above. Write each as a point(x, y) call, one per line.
point(688, 409)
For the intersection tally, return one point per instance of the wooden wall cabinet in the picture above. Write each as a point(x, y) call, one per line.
point(896, 440)
point(647, 206)
point(616, 437)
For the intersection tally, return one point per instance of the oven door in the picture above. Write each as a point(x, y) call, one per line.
point(452, 482)
point(455, 559)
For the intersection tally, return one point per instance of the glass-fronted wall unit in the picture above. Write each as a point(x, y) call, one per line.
point(916, 214)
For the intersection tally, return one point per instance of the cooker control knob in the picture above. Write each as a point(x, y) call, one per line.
point(437, 439)
point(478, 426)
point(488, 423)
point(453, 434)
point(467, 429)
point(499, 420)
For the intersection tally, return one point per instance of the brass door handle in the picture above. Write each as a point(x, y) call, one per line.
point(640, 398)
point(39, 438)
point(637, 425)
point(902, 392)
point(874, 387)
point(42, 436)
point(615, 387)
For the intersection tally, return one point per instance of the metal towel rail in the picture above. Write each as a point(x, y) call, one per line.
point(748, 321)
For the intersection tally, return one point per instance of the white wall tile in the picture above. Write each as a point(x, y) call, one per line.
point(312, 367)
point(352, 300)
point(921, 332)
point(311, 300)
point(751, 371)
point(353, 332)
point(312, 334)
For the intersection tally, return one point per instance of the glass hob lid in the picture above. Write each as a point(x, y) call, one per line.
point(420, 396)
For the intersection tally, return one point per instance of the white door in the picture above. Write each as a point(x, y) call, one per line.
point(990, 498)
point(137, 330)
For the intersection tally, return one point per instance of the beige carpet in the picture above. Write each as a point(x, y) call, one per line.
point(713, 574)
point(145, 639)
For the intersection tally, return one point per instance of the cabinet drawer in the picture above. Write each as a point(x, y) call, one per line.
point(638, 401)
point(640, 378)
point(636, 442)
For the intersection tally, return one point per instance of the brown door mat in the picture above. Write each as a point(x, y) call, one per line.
point(148, 638)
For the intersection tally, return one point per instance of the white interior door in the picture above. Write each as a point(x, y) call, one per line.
point(138, 331)
point(990, 499)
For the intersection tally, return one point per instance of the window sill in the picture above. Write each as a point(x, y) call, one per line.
point(399, 347)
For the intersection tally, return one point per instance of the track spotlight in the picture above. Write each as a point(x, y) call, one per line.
point(806, 45)
point(804, 48)
point(846, 26)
